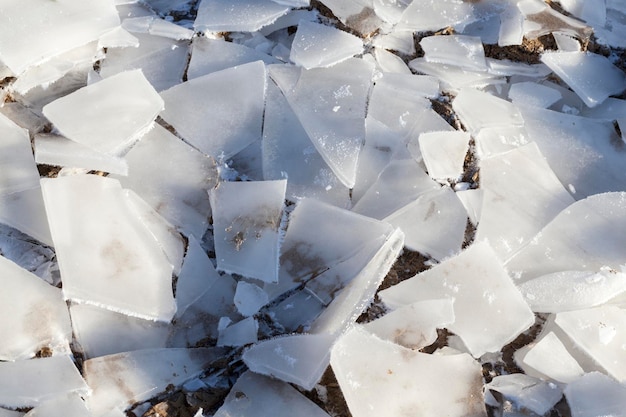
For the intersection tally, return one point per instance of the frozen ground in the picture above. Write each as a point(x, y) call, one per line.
point(343, 207)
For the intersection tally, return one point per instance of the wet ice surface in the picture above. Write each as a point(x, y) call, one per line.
point(231, 184)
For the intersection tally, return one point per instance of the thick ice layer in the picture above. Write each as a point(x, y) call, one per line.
point(24, 210)
point(601, 333)
point(35, 314)
point(19, 171)
point(593, 77)
point(254, 395)
point(173, 178)
point(527, 93)
point(596, 394)
point(239, 15)
point(521, 195)
point(526, 392)
point(381, 378)
point(444, 153)
point(489, 311)
point(311, 45)
point(246, 222)
point(228, 104)
point(460, 50)
point(108, 115)
point(114, 263)
point(550, 358)
point(478, 110)
point(60, 27)
point(586, 236)
point(121, 380)
point(433, 15)
point(29, 383)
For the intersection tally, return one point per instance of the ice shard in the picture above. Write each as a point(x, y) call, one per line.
point(462, 51)
point(427, 15)
point(454, 78)
point(310, 46)
point(550, 357)
point(25, 211)
point(595, 394)
point(71, 405)
point(478, 110)
point(527, 93)
point(526, 392)
point(239, 15)
point(242, 333)
point(356, 14)
point(19, 171)
point(444, 153)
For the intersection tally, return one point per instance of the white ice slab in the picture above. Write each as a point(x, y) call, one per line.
point(121, 380)
point(401, 380)
point(10, 413)
point(254, 395)
point(478, 110)
point(19, 171)
point(454, 78)
point(389, 62)
point(472, 200)
point(36, 315)
point(601, 333)
point(397, 40)
point(156, 26)
point(532, 94)
point(24, 210)
point(356, 14)
point(495, 140)
point(433, 15)
point(596, 394)
point(311, 46)
point(444, 153)
point(592, 13)
point(227, 103)
point(249, 298)
point(241, 333)
point(29, 383)
point(239, 15)
point(246, 222)
point(593, 77)
point(550, 357)
point(71, 405)
point(460, 50)
point(173, 178)
point(117, 254)
point(489, 311)
point(586, 236)
point(526, 392)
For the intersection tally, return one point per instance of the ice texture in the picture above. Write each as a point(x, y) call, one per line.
point(526, 392)
point(108, 115)
point(454, 78)
point(356, 14)
point(595, 394)
point(478, 110)
point(19, 171)
point(311, 49)
point(239, 15)
point(460, 50)
point(444, 153)
point(550, 358)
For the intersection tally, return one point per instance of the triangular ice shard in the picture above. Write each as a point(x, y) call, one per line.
point(18, 168)
point(25, 211)
point(550, 357)
point(310, 46)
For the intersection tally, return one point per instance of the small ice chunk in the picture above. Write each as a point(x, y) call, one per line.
point(507, 68)
point(25, 211)
point(227, 103)
point(19, 171)
point(478, 110)
point(448, 385)
point(249, 298)
point(433, 15)
point(526, 392)
point(444, 153)
point(36, 314)
point(511, 30)
point(532, 94)
point(123, 379)
point(71, 405)
point(550, 357)
point(601, 333)
point(300, 359)
point(566, 43)
point(596, 394)
point(462, 51)
point(489, 310)
point(592, 13)
point(454, 78)
point(238, 15)
point(118, 38)
point(246, 222)
point(239, 334)
point(414, 326)
point(297, 311)
point(29, 383)
point(593, 77)
point(254, 395)
point(317, 45)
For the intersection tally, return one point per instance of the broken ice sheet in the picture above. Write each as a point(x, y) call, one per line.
point(454, 78)
point(526, 392)
point(127, 270)
point(550, 357)
point(541, 19)
point(444, 153)
point(249, 298)
point(24, 210)
point(532, 94)
point(29, 383)
point(123, 379)
point(17, 166)
point(228, 104)
point(596, 394)
point(593, 77)
point(246, 222)
point(257, 395)
point(433, 15)
point(317, 45)
point(462, 51)
point(71, 405)
point(241, 333)
point(356, 14)
point(237, 16)
point(447, 384)
point(489, 310)
point(36, 314)
point(478, 109)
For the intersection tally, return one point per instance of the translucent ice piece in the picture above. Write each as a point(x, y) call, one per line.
point(595, 394)
point(117, 254)
point(109, 115)
point(472, 200)
point(246, 222)
point(425, 15)
point(586, 236)
point(452, 77)
point(507, 67)
point(19, 171)
point(480, 287)
point(401, 41)
point(36, 315)
point(550, 357)
point(123, 379)
point(310, 46)
point(447, 384)
point(173, 178)
point(102, 332)
point(61, 26)
point(10, 413)
point(390, 63)
point(249, 298)
point(300, 359)
point(356, 14)
point(156, 26)
point(29, 383)
point(526, 392)
point(460, 50)
point(444, 153)
point(540, 19)
point(414, 326)
point(601, 333)
point(25, 211)
point(254, 395)
point(478, 110)
point(521, 195)
point(239, 15)
point(239, 334)
point(532, 94)
point(71, 405)
point(227, 103)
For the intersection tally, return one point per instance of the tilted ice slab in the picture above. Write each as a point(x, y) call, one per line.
point(37, 314)
point(526, 392)
point(238, 15)
point(444, 153)
point(156, 26)
point(246, 222)
point(28, 254)
point(400, 380)
point(356, 14)
point(593, 77)
point(550, 358)
point(461, 50)
point(521, 195)
point(478, 110)
point(586, 236)
point(489, 311)
point(60, 27)
point(254, 395)
point(220, 113)
point(19, 171)
point(541, 19)
point(29, 383)
point(389, 62)
point(249, 298)
point(596, 394)
point(532, 94)
point(123, 379)
point(24, 210)
point(173, 178)
point(312, 45)
point(242, 333)
point(433, 15)
point(591, 13)
point(114, 263)
point(108, 115)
